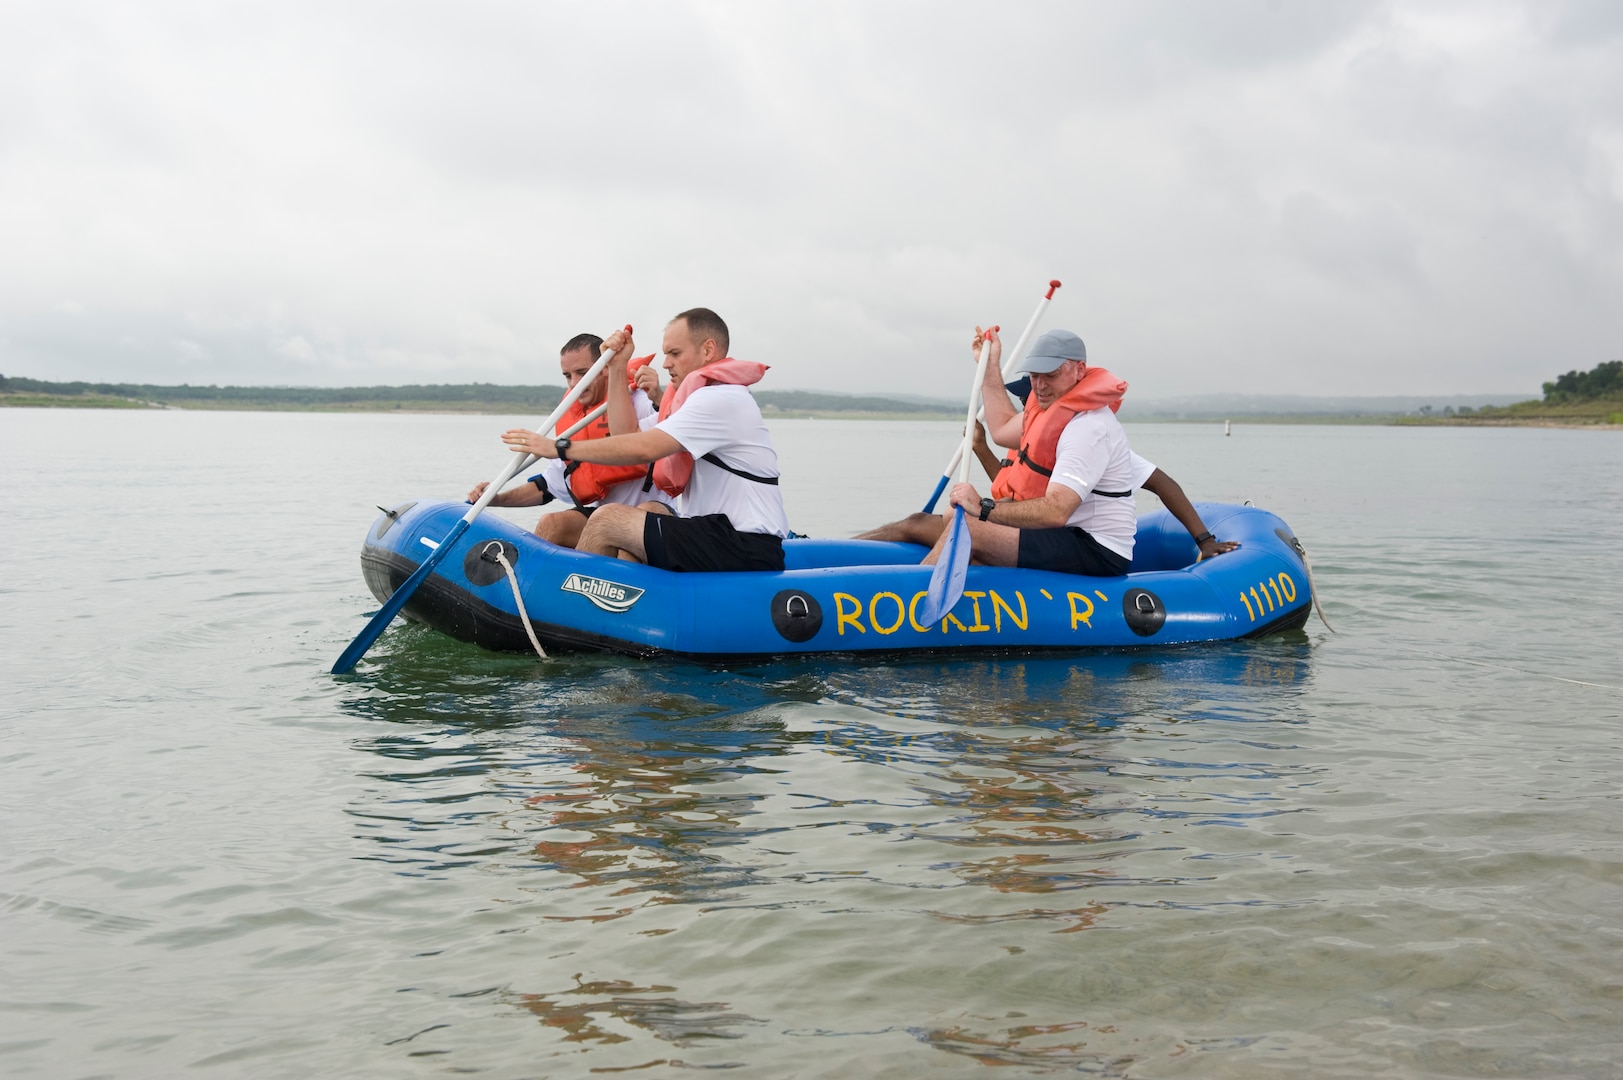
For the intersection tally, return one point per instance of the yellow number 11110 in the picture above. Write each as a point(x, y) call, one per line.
point(1268, 596)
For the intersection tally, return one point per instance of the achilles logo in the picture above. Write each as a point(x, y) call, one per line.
point(608, 595)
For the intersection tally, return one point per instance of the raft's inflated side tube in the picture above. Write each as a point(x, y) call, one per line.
point(839, 595)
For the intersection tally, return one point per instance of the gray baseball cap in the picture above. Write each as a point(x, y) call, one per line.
point(1051, 350)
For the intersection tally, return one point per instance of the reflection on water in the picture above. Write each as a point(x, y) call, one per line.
point(592, 1011)
point(975, 795)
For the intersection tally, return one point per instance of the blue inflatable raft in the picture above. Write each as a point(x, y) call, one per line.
point(837, 596)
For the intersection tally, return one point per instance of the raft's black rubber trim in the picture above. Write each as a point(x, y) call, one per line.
point(1291, 620)
point(452, 610)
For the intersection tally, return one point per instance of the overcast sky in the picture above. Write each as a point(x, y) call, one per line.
point(1288, 197)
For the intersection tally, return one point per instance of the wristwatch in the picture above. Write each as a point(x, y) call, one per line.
point(1203, 537)
point(986, 508)
point(562, 446)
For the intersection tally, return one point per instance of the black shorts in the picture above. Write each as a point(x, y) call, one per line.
point(1069, 550)
point(707, 544)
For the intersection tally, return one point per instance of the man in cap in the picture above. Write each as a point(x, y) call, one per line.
point(1063, 500)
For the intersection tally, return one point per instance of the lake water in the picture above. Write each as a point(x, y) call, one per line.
point(1396, 850)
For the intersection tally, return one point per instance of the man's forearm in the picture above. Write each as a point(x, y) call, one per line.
point(526, 494)
point(1044, 513)
point(989, 461)
point(1170, 492)
point(622, 414)
point(999, 411)
point(638, 449)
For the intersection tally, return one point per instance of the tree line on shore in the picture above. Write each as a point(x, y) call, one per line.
point(451, 395)
point(470, 397)
point(1605, 381)
point(1582, 397)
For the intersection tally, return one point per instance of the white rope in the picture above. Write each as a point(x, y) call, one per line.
point(512, 579)
point(1307, 564)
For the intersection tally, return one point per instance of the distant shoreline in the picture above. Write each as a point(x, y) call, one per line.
point(1564, 423)
point(430, 408)
point(425, 408)
point(488, 399)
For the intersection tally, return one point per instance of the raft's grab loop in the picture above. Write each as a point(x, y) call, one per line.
point(796, 615)
point(493, 550)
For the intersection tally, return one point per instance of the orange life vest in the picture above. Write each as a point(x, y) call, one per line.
point(673, 473)
point(1025, 473)
point(589, 483)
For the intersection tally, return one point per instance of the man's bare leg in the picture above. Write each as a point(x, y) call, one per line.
point(615, 530)
point(563, 528)
point(921, 528)
point(990, 544)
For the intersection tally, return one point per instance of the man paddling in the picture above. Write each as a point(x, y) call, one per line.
point(585, 487)
point(1146, 475)
point(708, 447)
point(1063, 502)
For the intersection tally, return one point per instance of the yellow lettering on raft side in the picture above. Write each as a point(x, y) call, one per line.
point(1080, 616)
point(1101, 596)
point(949, 617)
point(1046, 594)
point(999, 606)
point(975, 598)
point(913, 613)
point(842, 616)
point(873, 613)
point(1287, 586)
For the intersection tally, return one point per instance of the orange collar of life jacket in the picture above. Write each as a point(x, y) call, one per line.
point(673, 473)
point(1025, 473)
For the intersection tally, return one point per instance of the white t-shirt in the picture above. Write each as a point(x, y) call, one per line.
point(1142, 469)
point(1093, 455)
point(627, 492)
point(723, 419)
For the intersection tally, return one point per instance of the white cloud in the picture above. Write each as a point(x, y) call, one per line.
point(1247, 196)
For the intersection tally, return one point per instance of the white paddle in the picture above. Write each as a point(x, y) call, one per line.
point(967, 447)
point(952, 568)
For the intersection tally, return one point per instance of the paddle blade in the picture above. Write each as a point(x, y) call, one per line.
point(935, 496)
point(391, 607)
point(951, 571)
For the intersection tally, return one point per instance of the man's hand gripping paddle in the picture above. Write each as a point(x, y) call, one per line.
point(391, 607)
